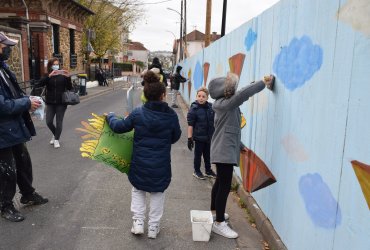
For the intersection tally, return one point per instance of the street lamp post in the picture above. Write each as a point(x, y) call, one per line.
point(223, 18)
point(207, 39)
point(174, 57)
point(180, 56)
point(185, 38)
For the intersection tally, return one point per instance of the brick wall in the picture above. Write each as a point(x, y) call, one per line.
point(41, 15)
point(15, 60)
point(64, 46)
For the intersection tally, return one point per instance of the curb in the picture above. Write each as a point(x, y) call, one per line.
point(263, 224)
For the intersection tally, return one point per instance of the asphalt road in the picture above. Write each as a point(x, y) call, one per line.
point(89, 203)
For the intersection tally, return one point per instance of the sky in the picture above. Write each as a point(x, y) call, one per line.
point(157, 28)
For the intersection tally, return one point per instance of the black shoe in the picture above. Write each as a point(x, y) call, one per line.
point(199, 175)
point(33, 199)
point(11, 214)
point(210, 174)
point(174, 106)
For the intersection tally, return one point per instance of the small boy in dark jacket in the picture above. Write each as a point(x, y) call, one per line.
point(200, 130)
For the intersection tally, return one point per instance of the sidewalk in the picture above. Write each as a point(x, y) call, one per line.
point(188, 193)
point(240, 220)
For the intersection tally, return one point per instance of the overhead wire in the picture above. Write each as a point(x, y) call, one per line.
point(140, 4)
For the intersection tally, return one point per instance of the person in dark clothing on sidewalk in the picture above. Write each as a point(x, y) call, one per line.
point(16, 128)
point(103, 76)
point(177, 78)
point(100, 76)
point(157, 64)
point(200, 130)
point(57, 81)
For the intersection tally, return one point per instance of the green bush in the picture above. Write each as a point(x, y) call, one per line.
point(123, 66)
point(140, 64)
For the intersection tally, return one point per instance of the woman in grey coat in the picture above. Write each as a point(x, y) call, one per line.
point(226, 144)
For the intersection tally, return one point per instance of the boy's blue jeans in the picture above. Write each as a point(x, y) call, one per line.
point(202, 148)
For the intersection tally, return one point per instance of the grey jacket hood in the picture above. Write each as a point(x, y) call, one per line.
point(223, 86)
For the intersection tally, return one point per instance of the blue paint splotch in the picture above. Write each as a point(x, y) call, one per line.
point(321, 206)
point(250, 39)
point(198, 76)
point(298, 62)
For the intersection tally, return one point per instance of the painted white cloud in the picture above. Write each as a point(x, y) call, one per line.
point(294, 149)
point(357, 14)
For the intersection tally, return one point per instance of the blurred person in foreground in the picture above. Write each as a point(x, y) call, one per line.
point(16, 128)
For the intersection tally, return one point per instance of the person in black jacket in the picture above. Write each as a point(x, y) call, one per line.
point(56, 82)
point(16, 128)
point(156, 127)
point(157, 64)
point(99, 76)
point(175, 85)
point(200, 130)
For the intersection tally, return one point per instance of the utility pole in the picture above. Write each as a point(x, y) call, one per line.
point(185, 22)
point(181, 35)
point(207, 39)
point(223, 18)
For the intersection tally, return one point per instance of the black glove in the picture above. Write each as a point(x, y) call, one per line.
point(190, 144)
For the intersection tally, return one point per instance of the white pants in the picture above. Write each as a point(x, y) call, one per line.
point(174, 97)
point(138, 206)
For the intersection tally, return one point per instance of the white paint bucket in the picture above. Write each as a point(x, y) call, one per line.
point(202, 222)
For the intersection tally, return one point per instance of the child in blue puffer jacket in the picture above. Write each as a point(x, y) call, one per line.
point(156, 127)
point(200, 130)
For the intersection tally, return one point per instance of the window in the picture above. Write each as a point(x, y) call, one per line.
point(56, 43)
point(72, 41)
point(55, 30)
point(72, 53)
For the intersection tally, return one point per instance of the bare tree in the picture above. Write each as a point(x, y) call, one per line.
point(112, 19)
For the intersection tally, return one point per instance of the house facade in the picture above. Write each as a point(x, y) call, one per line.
point(138, 53)
point(45, 29)
point(192, 43)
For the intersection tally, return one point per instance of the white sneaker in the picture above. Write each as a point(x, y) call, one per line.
point(223, 229)
point(56, 144)
point(137, 227)
point(52, 140)
point(225, 215)
point(153, 231)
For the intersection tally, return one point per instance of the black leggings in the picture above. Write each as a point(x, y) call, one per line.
point(221, 189)
point(57, 111)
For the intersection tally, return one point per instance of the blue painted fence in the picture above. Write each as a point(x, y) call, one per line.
point(313, 131)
